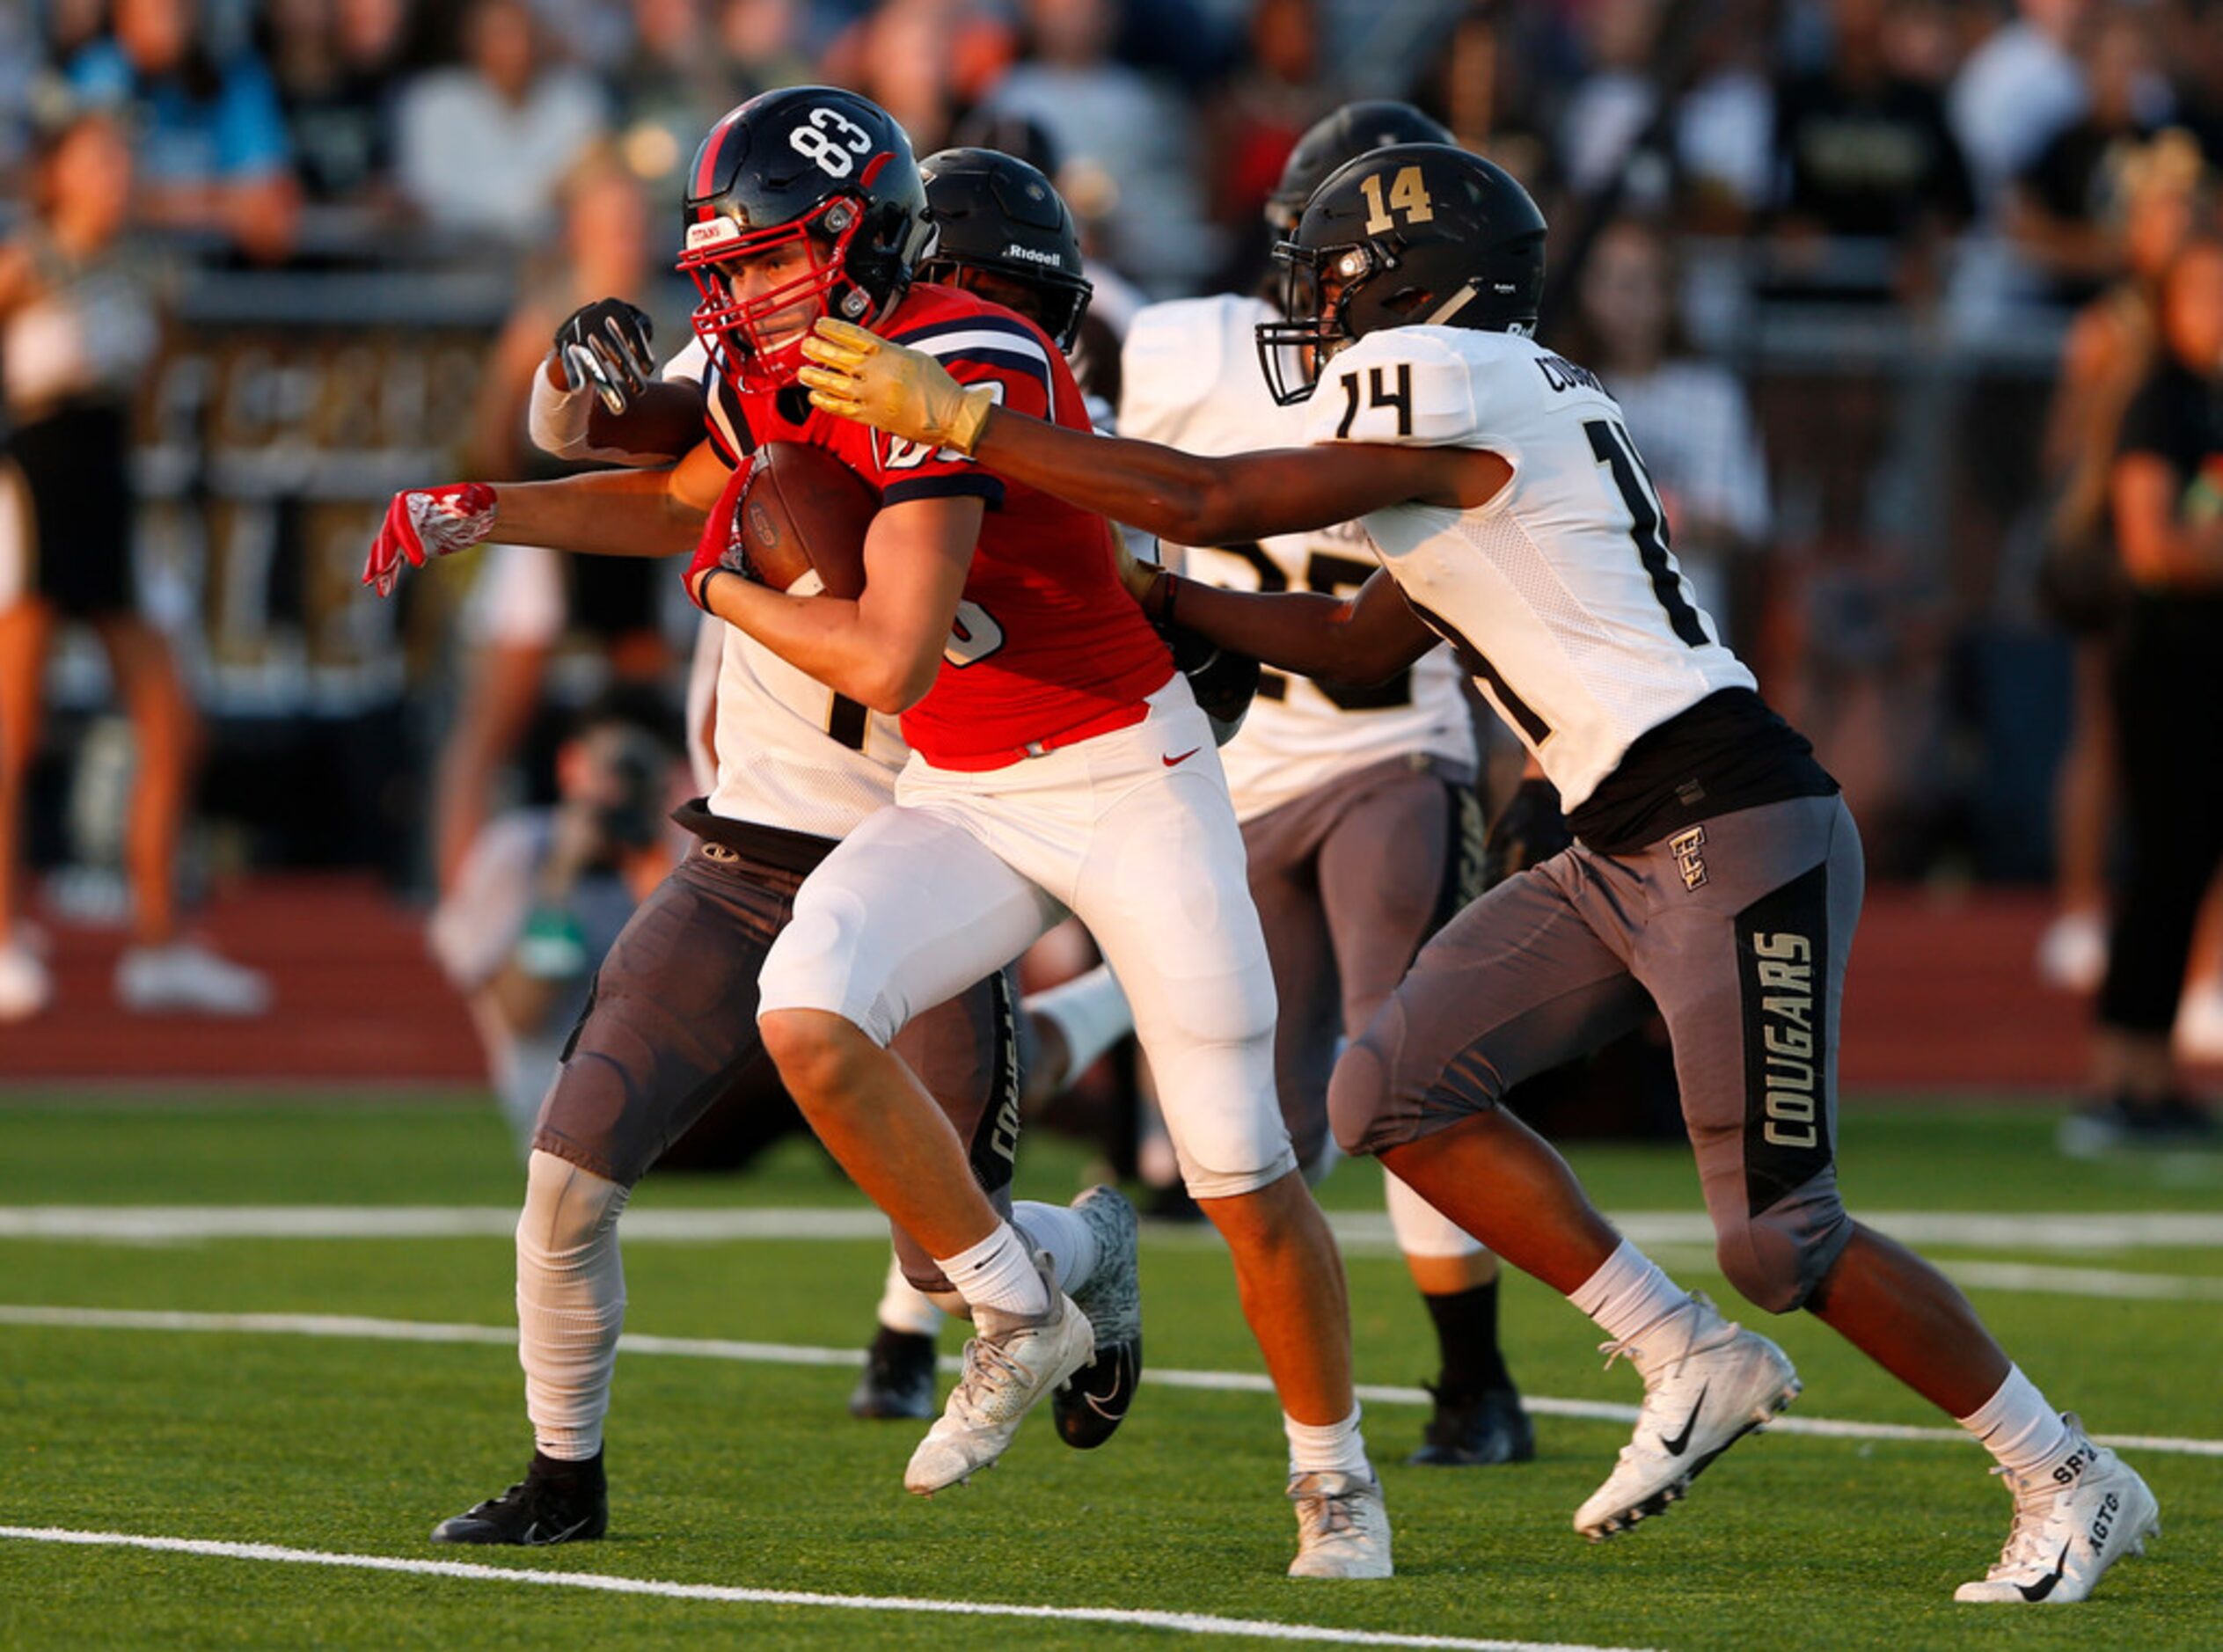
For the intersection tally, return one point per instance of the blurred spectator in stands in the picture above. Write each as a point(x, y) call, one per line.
point(1610, 106)
point(672, 86)
point(79, 328)
point(1131, 145)
point(923, 61)
point(1252, 123)
point(210, 139)
point(763, 40)
point(544, 892)
point(527, 599)
point(338, 65)
point(1872, 176)
point(2065, 209)
point(2167, 493)
point(1688, 416)
point(2018, 88)
point(484, 144)
point(1725, 124)
point(1490, 86)
point(2109, 352)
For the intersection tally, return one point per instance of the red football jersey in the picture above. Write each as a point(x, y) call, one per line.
point(1046, 640)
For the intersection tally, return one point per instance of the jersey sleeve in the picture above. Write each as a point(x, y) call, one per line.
point(1402, 387)
point(999, 351)
point(1172, 362)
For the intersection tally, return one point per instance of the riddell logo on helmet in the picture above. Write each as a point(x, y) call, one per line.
point(712, 232)
point(1033, 255)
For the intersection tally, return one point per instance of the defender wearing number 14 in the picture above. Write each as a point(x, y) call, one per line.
point(1715, 866)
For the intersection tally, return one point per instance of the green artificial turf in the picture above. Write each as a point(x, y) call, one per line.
point(746, 1473)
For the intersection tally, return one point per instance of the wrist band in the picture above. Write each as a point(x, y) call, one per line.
point(702, 585)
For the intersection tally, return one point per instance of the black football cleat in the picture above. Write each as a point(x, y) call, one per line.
point(898, 1380)
point(1483, 1429)
point(1090, 1407)
point(1092, 1404)
point(555, 1502)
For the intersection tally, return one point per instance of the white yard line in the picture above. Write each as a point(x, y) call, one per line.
point(1676, 1238)
point(348, 1326)
point(2079, 1231)
point(1178, 1622)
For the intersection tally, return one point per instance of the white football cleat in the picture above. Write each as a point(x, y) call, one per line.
point(25, 986)
point(1343, 1526)
point(1707, 1383)
point(184, 975)
point(1011, 1363)
point(2071, 1524)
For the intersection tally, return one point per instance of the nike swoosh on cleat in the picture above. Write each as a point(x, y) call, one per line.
point(2040, 1590)
point(1681, 1442)
point(534, 1538)
point(1184, 757)
point(1104, 1407)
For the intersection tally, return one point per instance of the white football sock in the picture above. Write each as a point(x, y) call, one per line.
point(1071, 1242)
point(571, 1302)
point(1627, 1294)
point(905, 1307)
point(1092, 1012)
point(1331, 1448)
point(997, 1273)
point(2017, 1427)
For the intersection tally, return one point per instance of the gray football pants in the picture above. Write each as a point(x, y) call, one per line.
point(1738, 930)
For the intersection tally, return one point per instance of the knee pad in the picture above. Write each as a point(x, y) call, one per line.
point(1776, 1265)
point(569, 1214)
point(1228, 1135)
point(1359, 1100)
point(815, 963)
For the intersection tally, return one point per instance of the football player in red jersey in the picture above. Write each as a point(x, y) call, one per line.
point(1059, 764)
point(670, 1033)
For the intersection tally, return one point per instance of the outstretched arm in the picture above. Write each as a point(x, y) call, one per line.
point(1363, 639)
point(607, 513)
point(1177, 495)
point(615, 512)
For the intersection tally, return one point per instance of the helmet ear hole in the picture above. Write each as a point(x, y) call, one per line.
point(1408, 302)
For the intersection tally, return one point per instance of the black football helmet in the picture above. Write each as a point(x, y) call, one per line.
point(995, 214)
point(814, 165)
point(1415, 234)
point(1342, 135)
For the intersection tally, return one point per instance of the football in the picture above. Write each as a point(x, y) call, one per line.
point(806, 512)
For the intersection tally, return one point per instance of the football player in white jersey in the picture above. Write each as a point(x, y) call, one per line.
point(1714, 865)
point(1358, 803)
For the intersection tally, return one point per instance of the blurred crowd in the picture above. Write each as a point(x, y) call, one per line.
point(1832, 255)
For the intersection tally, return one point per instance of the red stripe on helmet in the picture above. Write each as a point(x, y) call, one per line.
point(706, 165)
point(873, 166)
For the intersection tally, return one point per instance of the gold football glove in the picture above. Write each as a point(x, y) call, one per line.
point(862, 377)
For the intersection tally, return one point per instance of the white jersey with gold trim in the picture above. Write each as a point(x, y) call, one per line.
point(1560, 594)
point(790, 752)
point(1189, 378)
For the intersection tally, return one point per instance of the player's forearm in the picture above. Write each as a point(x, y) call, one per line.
point(1303, 631)
point(830, 639)
point(609, 513)
point(1175, 495)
